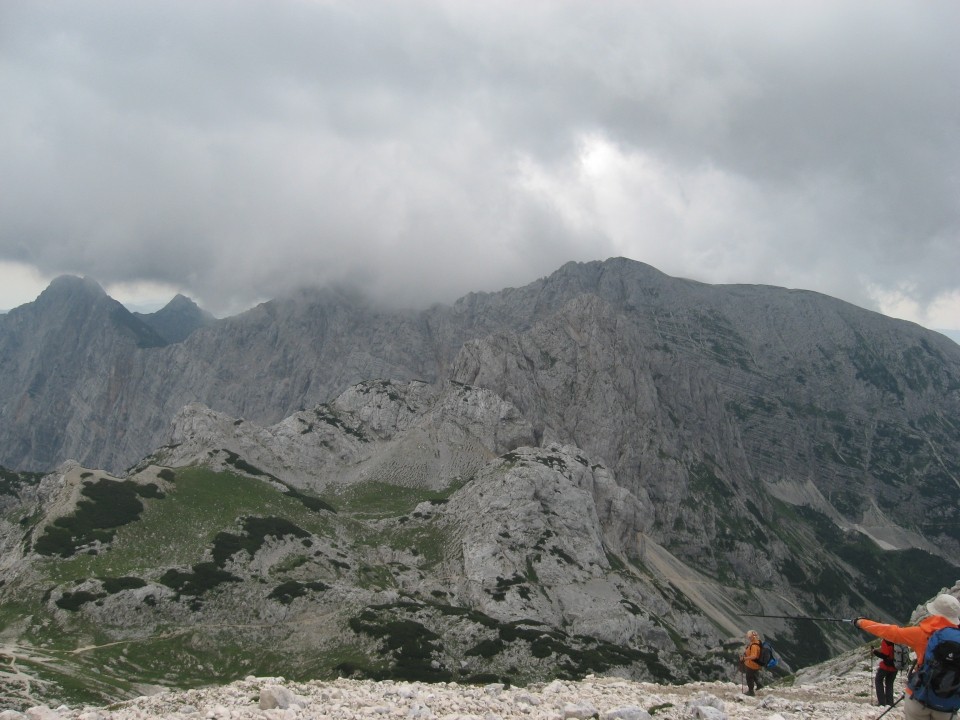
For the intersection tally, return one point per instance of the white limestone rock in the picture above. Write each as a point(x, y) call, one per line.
point(627, 712)
point(277, 696)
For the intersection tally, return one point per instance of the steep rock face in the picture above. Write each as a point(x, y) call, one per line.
point(66, 363)
point(293, 353)
point(282, 356)
point(545, 518)
point(697, 404)
point(85, 379)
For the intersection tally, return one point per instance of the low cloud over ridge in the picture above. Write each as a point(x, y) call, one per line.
point(425, 149)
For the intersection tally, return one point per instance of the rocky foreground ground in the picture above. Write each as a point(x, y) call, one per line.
point(825, 697)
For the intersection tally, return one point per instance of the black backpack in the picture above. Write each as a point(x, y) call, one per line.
point(937, 681)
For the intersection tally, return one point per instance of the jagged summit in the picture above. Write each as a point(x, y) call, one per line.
point(179, 303)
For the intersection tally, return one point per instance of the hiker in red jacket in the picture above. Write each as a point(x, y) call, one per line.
point(886, 673)
point(944, 612)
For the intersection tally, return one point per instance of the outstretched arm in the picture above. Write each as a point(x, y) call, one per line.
point(912, 636)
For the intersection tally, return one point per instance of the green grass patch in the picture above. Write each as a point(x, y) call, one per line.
point(428, 542)
point(309, 501)
point(289, 564)
point(380, 500)
point(181, 527)
point(108, 505)
point(377, 577)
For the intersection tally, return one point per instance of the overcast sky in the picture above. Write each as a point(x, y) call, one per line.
point(424, 149)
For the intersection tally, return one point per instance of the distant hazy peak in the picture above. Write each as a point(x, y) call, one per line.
point(177, 319)
point(181, 300)
point(181, 304)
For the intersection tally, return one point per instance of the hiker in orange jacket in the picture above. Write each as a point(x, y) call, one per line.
point(944, 612)
point(750, 661)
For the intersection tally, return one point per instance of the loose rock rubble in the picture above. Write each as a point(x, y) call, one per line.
point(837, 698)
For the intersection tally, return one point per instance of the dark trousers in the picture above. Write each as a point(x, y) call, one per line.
point(884, 682)
point(753, 680)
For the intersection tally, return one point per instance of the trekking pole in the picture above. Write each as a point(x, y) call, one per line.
point(799, 617)
point(902, 696)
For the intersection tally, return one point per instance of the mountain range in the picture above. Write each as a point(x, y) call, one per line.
point(608, 469)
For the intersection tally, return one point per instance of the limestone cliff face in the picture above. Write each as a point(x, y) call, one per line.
point(538, 535)
point(761, 424)
point(406, 434)
point(772, 431)
point(82, 378)
point(67, 363)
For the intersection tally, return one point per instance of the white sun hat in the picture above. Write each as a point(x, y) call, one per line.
point(946, 606)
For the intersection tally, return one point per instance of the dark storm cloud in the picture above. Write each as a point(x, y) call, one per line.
point(425, 149)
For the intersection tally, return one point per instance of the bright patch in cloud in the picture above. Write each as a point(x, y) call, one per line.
point(142, 296)
point(685, 221)
point(19, 284)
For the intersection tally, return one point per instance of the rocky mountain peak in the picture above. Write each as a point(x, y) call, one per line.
point(74, 310)
point(177, 319)
point(63, 286)
point(68, 294)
